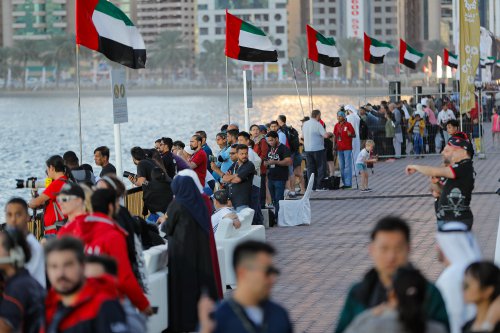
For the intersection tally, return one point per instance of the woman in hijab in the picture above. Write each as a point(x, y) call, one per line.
point(189, 259)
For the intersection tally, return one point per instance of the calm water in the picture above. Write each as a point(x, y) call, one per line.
point(34, 128)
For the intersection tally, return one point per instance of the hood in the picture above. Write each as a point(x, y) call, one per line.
point(459, 247)
point(193, 175)
point(97, 224)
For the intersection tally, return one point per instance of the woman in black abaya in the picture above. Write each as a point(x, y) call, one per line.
point(189, 263)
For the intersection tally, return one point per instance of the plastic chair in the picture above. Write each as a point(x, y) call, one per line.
point(296, 212)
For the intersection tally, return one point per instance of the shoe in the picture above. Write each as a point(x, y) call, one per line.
point(286, 193)
point(323, 189)
point(292, 195)
point(368, 190)
point(364, 191)
point(270, 206)
point(346, 187)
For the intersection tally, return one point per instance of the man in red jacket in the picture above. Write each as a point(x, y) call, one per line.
point(344, 133)
point(75, 304)
point(101, 235)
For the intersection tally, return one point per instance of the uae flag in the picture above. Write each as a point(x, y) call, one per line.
point(408, 56)
point(490, 61)
point(498, 63)
point(247, 42)
point(375, 50)
point(102, 27)
point(322, 49)
point(450, 59)
point(482, 63)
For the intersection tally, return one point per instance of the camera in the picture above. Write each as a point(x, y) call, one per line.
point(33, 183)
point(213, 158)
point(127, 174)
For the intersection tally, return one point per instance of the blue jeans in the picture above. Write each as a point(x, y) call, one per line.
point(418, 144)
point(277, 190)
point(345, 163)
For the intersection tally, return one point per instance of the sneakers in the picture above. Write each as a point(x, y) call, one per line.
point(366, 190)
point(345, 187)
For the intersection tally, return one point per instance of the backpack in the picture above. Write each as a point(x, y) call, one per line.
point(293, 139)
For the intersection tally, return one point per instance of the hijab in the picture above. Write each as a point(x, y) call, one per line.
point(187, 193)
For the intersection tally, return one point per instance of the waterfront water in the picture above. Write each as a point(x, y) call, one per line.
point(34, 128)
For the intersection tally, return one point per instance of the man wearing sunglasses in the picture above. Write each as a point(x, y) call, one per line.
point(453, 204)
point(71, 199)
point(249, 310)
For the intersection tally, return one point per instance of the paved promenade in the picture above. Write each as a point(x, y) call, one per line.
point(319, 262)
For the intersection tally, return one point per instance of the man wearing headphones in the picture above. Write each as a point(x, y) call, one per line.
point(21, 308)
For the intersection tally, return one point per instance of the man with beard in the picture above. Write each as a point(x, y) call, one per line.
point(240, 179)
point(76, 304)
point(198, 160)
point(453, 204)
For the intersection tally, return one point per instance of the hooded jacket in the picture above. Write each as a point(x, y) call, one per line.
point(102, 235)
point(97, 308)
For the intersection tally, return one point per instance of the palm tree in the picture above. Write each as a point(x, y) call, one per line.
point(299, 48)
point(24, 51)
point(350, 49)
point(432, 49)
point(60, 54)
point(170, 52)
point(211, 61)
point(5, 56)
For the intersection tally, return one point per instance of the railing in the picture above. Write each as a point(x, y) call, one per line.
point(133, 202)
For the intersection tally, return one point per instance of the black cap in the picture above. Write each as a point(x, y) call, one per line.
point(72, 189)
point(461, 143)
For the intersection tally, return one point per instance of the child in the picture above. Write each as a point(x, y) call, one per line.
point(477, 133)
point(416, 128)
point(495, 127)
point(362, 160)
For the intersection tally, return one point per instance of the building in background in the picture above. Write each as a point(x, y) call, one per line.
point(129, 7)
point(36, 19)
point(269, 15)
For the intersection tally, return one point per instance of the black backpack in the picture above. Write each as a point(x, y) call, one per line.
point(293, 139)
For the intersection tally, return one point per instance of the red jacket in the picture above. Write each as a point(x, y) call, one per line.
point(102, 235)
point(342, 138)
point(96, 309)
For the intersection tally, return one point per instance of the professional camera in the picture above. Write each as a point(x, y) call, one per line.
point(127, 174)
point(212, 158)
point(33, 183)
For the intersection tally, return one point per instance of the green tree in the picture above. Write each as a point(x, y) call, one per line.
point(170, 52)
point(25, 51)
point(211, 62)
point(60, 53)
point(5, 57)
point(350, 49)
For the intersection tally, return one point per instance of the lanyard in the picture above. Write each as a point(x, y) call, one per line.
point(249, 327)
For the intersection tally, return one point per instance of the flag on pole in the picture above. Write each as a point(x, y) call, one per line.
point(245, 41)
point(450, 59)
point(322, 49)
point(375, 50)
point(408, 56)
point(490, 61)
point(103, 27)
point(482, 63)
point(498, 62)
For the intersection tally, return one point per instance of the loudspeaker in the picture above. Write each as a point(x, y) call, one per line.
point(394, 91)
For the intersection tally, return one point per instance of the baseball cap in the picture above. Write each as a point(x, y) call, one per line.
point(461, 143)
point(262, 128)
point(72, 189)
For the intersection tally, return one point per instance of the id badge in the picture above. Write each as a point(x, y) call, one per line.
point(272, 166)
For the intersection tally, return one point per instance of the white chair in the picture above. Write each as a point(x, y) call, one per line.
point(227, 238)
point(156, 258)
point(158, 297)
point(296, 212)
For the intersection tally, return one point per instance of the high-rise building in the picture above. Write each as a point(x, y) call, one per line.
point(327, 17)
point(269, 15)
point(36, 19)
point(129, 7)
point(157, 16)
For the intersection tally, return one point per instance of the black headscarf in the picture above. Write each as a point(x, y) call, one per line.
point(188, 195)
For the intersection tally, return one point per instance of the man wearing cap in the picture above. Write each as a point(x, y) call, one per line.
point(314, 147)
point(453, 204)
point(344, 133)
point(71, 199)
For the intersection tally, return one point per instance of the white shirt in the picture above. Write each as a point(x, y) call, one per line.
point(313, 133)
point(219, 215)
point(282, 137)
point(363, 156)
point(405, 110)
point(36, 265)
point(256, 160)
point(445, 116)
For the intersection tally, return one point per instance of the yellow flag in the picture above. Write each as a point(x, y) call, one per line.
point(469, 52)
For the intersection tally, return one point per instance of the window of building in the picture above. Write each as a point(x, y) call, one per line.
point(388, 32)
point(205, 18)
point(378, 20)
point(377, 9)
point(332, 21)
point(378, 31)
point(277, 17)
point(388, 20)
point(280, 29)
point(203, 31)
point(388, 9)
point(220, 31)
point(281, 54)
point(202, 7)
point(278, 41)
point(281, 5)
point(266, 17)
point(266, 29)
point(333, 32)
point(332, 10)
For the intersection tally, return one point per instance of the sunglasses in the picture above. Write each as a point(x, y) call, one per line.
point(269, 270)
point(66, 198)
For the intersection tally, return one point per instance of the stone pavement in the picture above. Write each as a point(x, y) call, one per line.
point(319, 262)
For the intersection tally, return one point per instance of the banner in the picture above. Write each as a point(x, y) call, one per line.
point(355, 18)
point(469, 52)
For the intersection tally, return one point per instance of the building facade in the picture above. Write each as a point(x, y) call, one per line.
point(36, 19)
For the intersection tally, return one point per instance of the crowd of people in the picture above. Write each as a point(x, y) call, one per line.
point(88, 274)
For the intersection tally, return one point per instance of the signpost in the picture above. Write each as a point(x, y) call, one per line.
point(247, 96)
point(120, 111)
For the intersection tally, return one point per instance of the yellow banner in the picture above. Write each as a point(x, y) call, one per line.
point(469, 52)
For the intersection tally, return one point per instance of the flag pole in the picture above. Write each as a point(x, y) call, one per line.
point(79, 100)
point(227, 96)
point(296, 86)
point(364, 69)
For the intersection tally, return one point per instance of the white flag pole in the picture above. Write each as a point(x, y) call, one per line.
point(79, 100)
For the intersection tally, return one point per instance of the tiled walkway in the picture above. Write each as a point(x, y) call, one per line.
point(319, 262)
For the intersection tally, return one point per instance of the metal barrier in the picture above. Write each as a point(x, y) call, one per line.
point(36, 227)
point(134, 202)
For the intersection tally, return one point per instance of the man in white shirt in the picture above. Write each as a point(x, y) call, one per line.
point(16, 216)
point(223, 209)
point(444, 116)
point(314, 147)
